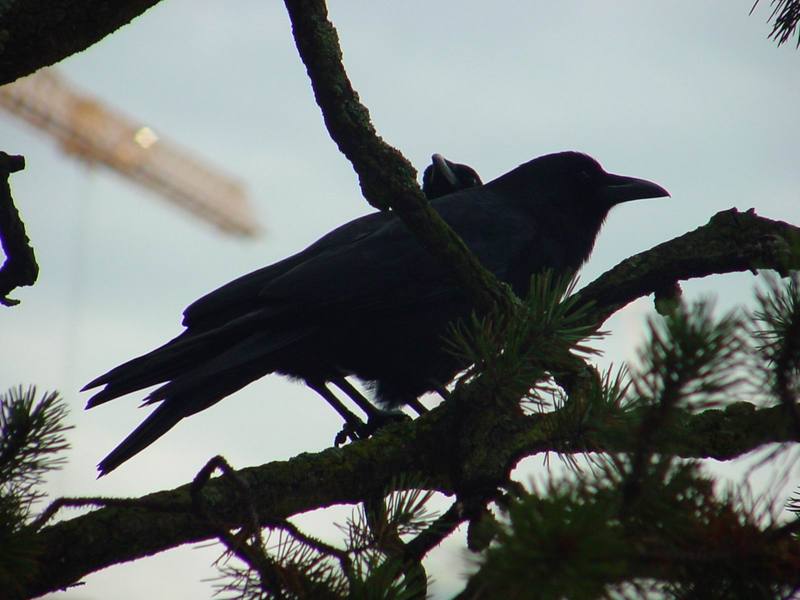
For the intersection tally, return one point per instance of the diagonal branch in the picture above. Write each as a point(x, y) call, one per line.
point(387, 179)
point(441, 446)
point(85, 544)
point(731, 241)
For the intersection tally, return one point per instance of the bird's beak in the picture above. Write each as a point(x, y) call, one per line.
point(443, 166)
point(619, 188)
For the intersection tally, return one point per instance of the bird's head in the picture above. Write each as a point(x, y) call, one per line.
point(568, 196)
point(574, 182)
point(444, 177)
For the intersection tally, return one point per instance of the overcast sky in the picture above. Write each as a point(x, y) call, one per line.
point(688, 94)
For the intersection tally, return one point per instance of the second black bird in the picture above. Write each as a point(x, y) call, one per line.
point(371, 304)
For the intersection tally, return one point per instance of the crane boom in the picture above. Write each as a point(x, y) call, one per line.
point(96, 133)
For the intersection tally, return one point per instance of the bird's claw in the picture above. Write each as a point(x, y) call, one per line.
point(350, 432)
point(381, 418)
point(354, 431)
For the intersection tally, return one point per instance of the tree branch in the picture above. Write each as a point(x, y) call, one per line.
point(443, 447)
point(731, 241)
point(386, 177)
point(457, 447)
point(79, 546)
point(38, 33)
point(19, 268)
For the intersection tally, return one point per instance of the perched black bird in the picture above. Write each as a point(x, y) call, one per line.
point(371, 304)
point(440, 178)
point(240, 296)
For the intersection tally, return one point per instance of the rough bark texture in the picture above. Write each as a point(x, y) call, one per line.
point(466, 446)
point(19, 268)
point(731, 241)
point(39, 33)
point(386, 177)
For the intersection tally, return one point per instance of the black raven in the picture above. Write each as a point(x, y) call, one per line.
point(440, 178)
point(370, 304)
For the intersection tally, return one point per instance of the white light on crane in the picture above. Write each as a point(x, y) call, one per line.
point(145, 137)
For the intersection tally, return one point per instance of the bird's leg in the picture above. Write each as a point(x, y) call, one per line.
point(442, 391)
point(354, 428)
point(367, 406)
point(376, 418)
point(418, 406)
point(356, 396)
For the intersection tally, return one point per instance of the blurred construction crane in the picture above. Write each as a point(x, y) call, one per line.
point(96, 133)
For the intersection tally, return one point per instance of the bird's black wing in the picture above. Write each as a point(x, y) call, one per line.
point(441, 177)
point(390, 269)
point(240, 296)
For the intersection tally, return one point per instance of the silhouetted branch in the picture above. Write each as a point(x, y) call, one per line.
point(386, 177)
point(20, 268)
point(88, 543)
point(731, 241)
point(785, 18)
point(442, 445)
point(39, 33)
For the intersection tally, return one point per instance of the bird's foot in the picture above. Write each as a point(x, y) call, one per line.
point(358, 430)
point(381, 418)
point(351, 431)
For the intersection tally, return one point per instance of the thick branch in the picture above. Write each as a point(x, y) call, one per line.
point(458, 447)
point(731, 241)
point(19, 268)
point(386, 177)
point(88, 543)
point(38, 33)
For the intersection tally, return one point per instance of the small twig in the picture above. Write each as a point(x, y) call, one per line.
point(20, 268)
point(101, 502)
point(389, 542)
point(784, 366)
point(435, 533)
point(203, 476)
point(253, 554)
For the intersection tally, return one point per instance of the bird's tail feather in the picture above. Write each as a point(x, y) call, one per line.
point(199, 388)
point(164, 418)
point(156, 366)
point(178, 356)
point(230, 370)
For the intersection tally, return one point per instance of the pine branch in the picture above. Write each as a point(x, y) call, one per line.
point(79, 546)
point(31, 440)
point(689, 358)
point(785, 18)
point(458, 447)
point(568, 540)
point(777, 329)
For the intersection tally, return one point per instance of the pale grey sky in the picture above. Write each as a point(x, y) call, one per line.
point(690, 95)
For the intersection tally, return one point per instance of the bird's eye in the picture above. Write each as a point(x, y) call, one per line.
point(585, 175)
